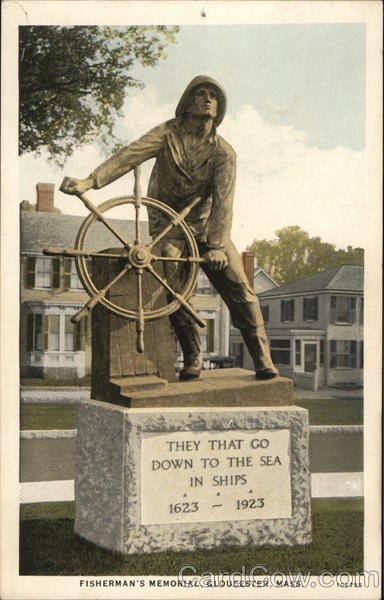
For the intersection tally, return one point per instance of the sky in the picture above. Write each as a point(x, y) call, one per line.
point(296, 119)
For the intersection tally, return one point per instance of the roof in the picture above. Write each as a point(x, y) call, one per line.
point(341, 278)
point(42, 229)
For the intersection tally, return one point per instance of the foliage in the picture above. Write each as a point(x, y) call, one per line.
point(73, 82)
point(29, 207)
point(294, 255)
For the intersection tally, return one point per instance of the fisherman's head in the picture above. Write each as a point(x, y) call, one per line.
point(203, 97)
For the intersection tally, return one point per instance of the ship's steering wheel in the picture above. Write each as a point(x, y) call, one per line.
point(134, 256)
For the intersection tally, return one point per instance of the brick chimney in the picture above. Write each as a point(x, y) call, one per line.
point(44, 197)
point(248, 259)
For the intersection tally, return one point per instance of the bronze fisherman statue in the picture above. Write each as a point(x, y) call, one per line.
point(193, 160)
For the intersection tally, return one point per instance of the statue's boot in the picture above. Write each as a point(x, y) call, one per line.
point(256, 341)
point(188, 336)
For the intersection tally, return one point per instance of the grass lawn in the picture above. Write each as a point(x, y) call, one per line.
point(40, 382)
point(47, 416)
point(340, 411)
point(321, 412)
point(48, 546)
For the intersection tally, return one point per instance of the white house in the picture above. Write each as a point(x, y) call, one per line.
point(315, 327)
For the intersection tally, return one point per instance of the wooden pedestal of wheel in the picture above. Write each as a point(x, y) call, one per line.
point(116, 363)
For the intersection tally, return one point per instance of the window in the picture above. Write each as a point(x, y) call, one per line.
point(343, 309)
point(208, 336)
point(204, 286)
point(74, 335)
point(35, 339)
point(281, 351)
point(52, 332)
point(343, 354)
point(321, 352)
point(287, 310)
point(43, 272)
point(265, 312)
point(298, 353)
point(43, 332)
point(310, 309)
point(71, 278)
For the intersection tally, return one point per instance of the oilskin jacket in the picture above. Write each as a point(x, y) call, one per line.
point(177, 178)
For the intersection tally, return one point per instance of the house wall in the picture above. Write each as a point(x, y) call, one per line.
point(298, 322)
point(64, 301)
point(314, 332)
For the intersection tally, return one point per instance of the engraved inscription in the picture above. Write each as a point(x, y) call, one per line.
point(189, 476)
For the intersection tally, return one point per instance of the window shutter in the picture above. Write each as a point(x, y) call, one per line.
point(46, 332)
point(55, 273)
point(292, 311)
point(265, 312)
point(88, 329)
point(30, 275)
point(30, 322)
point(80, 335)
point(321, 352)
point(304, 309)
point(333, 309)
point(85, 334)
point(67, 273)
point(282, 310)
point(352, 356)
point(332, 345)
point(210, 335)
point(353, 310)
point(316, 308)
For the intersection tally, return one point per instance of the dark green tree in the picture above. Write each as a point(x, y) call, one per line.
point(294, 255)
point(73, 81)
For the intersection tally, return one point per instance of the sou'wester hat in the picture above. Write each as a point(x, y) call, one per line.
point(204, 80)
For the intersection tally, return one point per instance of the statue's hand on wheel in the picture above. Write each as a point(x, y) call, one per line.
point(71, 185)
point(217, 259)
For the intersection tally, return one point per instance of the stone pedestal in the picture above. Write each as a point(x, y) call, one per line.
point(190, 478)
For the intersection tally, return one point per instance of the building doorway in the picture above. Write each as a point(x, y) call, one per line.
point(310, 357)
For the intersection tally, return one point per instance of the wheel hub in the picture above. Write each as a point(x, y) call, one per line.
point(139, 256)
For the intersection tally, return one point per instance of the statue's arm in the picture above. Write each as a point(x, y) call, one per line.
point(120, 163)
point(220, 219)
point(125, 159)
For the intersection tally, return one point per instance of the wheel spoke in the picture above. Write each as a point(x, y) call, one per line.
point(137, 194)
point(176, 295)
point(73, 253)
point(140, 312)
point(99, 296)
point(175, 221)
point(100, 217)
point(184, 259)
